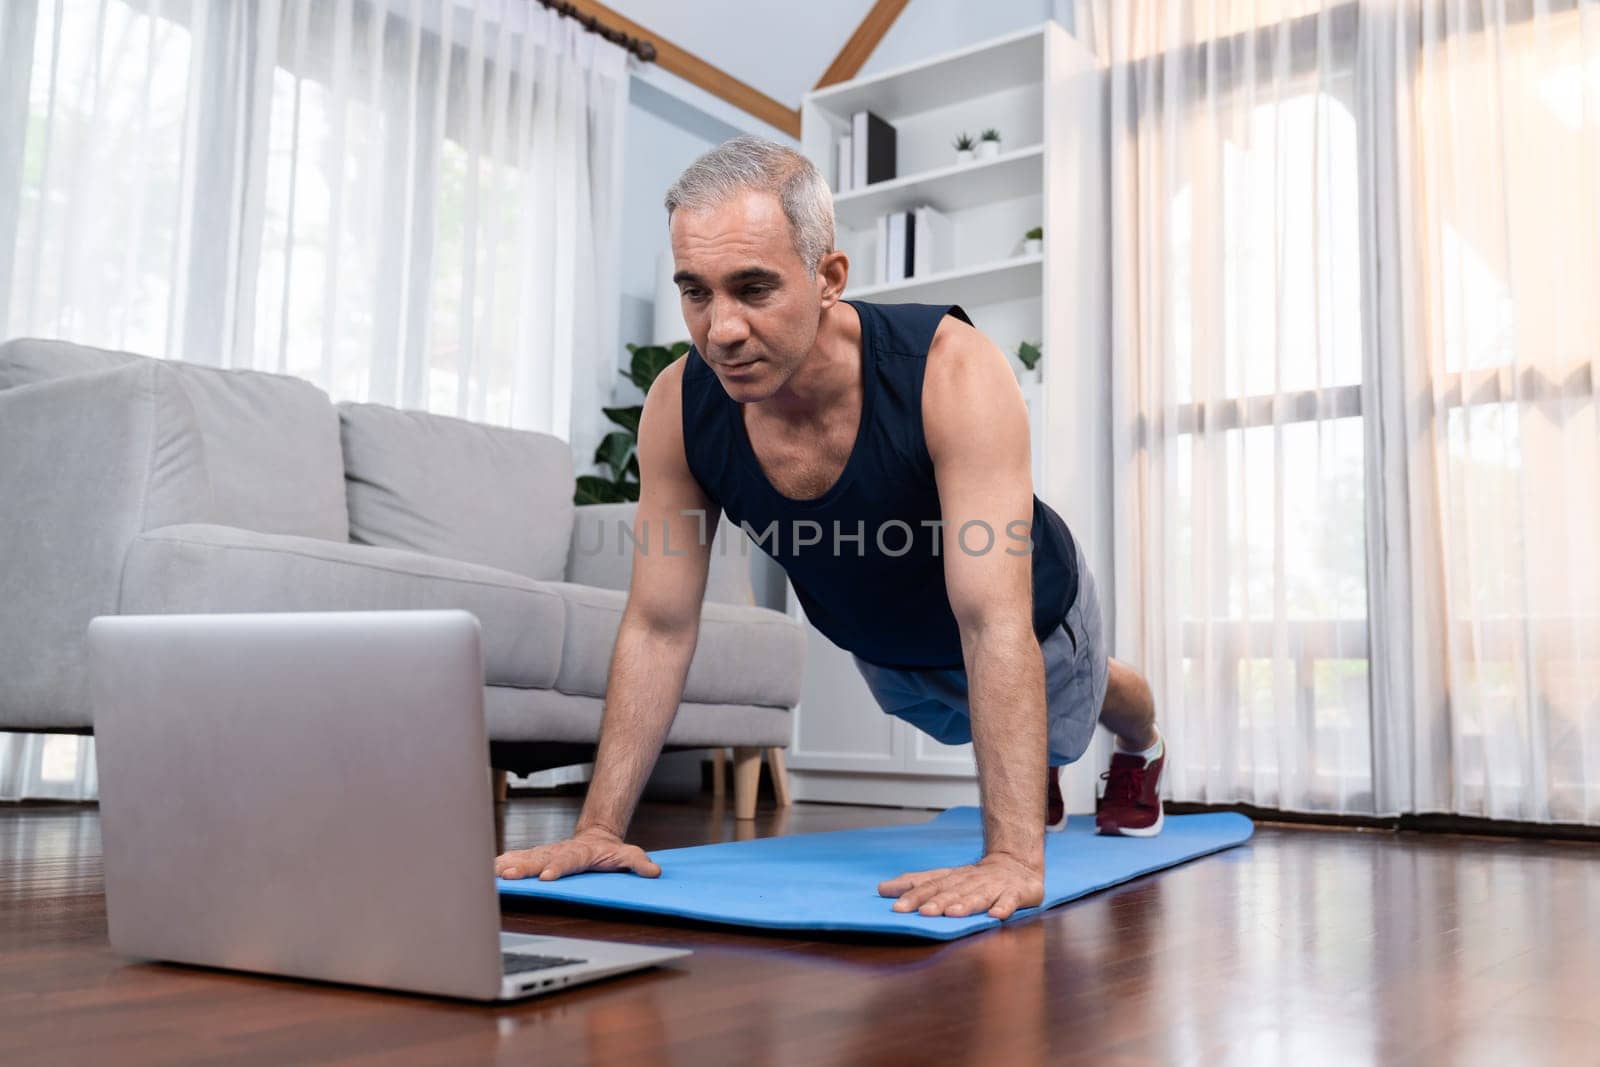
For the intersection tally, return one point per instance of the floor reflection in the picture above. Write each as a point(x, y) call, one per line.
point(1303, 947)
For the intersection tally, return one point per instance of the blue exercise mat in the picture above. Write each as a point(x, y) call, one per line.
point(830, 881)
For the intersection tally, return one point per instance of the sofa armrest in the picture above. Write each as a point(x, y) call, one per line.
point(199, 569)
point(86, 463)
point(602, 556)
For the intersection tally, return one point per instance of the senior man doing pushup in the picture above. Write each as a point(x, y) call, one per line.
point(900, 432)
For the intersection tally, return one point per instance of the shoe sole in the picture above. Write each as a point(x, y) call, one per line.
point(1134, 831)
point(1056, 827)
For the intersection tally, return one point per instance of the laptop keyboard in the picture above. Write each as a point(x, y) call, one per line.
point(523, 962)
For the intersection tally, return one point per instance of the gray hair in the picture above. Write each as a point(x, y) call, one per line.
point(754, 163)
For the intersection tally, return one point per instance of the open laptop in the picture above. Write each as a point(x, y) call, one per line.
point(308, 795)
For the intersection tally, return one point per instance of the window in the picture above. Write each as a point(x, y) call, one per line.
point(107, 99)
point(1510, 403)
point(1254, 422)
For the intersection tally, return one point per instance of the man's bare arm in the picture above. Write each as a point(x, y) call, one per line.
point(655, 643)
point(976, 424)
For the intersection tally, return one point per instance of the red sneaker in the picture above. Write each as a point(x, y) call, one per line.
point(1130, 806)
point(1055, 809)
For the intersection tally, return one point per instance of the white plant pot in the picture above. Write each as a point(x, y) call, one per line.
point(964, 155)
point(988, 149)
point(1033, 246)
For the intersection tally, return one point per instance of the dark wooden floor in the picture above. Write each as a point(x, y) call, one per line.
point(1304, 947)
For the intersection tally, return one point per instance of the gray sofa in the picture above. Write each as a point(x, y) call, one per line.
point(137, 485)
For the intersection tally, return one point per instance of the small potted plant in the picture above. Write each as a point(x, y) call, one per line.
point(989, 144)
point(1028, 355)
point(963, 148)
point(1033, 241)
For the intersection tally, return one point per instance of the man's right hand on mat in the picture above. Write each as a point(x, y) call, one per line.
point(588, 850)
point(998, 884)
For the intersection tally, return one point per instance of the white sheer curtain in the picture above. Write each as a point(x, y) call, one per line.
point(1484, 354)
point(1354, 256)
point(414, 202)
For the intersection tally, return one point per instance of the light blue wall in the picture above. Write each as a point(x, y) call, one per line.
point(664, 135)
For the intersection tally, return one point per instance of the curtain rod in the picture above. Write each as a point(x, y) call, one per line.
point(637, 45)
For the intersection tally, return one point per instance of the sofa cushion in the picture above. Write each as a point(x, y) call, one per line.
point(203, 569)
point(745, 655)
point(447, 487)
point(25, 360)
point(272, 450)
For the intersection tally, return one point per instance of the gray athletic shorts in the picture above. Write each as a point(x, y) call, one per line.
point(935, 701)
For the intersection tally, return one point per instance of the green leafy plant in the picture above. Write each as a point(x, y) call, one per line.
point(964, 142)
point(1035, 234)
point(618, 453)
point(990, 134)
point(1028, 352)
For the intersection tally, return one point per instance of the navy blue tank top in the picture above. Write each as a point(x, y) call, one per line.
point(866, 557)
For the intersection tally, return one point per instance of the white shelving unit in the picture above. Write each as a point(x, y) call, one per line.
point(953, 188)
point(981, 283)
point(1043, 92)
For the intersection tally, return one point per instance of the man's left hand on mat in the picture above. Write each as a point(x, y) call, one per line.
point(998, 884)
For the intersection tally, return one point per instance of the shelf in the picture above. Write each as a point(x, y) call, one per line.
point(952, 188)
point(1005, 279)
point(1012, 62)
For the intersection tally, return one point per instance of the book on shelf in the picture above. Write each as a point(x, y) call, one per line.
point(914, 244)
point(872, 150)
point(842, 184)
point(909, 228)
point(884, 250)
point(897, 246)
point(935, 238)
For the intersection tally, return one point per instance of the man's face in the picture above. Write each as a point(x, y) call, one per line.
point(751, 306)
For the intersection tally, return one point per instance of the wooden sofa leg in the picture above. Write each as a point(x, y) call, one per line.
point(497, 779)
point(746, 778)
point(780, 776)
point(719, 772)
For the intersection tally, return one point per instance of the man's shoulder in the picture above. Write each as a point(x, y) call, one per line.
point(968, 387)
point(669, 382)
point(953, 332)
point(962, 356)
point(663, 407)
